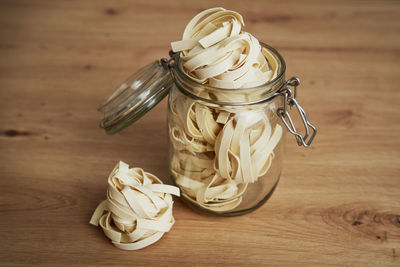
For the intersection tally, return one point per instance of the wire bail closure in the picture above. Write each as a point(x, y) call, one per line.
point(283, 113)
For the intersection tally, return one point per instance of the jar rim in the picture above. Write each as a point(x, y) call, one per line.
point(281, 72)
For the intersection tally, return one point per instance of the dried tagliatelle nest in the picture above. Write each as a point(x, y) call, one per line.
point(219, 151)
point(215, 51)
point(138, 208)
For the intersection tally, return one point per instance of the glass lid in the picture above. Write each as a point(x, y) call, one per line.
point(135, 97)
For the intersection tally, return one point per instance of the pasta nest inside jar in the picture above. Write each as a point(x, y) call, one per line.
point(218, 152)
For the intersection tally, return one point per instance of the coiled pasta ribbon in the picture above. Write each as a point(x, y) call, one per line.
point(244, 148)
point(138, 208)
point(215, 51)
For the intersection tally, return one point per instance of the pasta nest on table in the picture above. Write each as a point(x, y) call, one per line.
point(138, 208)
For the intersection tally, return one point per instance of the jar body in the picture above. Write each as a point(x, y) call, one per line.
point(225, 150)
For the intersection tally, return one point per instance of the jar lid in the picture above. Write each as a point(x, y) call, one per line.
point(135, 97)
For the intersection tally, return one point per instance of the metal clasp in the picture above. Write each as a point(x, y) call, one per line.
point(290, 99)
point(168, 63)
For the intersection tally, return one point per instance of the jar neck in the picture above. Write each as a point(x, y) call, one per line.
point(234, 97)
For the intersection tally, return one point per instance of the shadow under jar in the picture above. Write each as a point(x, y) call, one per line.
point(225, 145)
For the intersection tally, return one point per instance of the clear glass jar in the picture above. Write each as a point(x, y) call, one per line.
point(225, 145)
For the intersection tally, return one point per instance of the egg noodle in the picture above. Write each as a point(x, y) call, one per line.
point(138, 208)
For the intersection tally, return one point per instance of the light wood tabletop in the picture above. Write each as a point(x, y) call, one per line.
point(337, 202)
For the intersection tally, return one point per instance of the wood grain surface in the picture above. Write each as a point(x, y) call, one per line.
point(338, 202)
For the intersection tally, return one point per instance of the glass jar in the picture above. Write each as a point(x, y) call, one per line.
point(225, 145)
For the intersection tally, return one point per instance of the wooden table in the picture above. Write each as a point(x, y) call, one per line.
point(338, 202)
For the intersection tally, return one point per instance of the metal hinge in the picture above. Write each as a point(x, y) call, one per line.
point(168, 62)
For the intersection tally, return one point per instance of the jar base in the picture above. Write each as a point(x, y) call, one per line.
point(202, 210)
